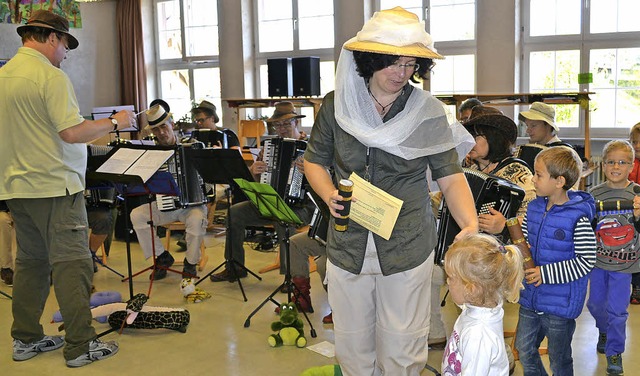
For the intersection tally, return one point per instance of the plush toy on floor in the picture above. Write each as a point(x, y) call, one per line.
point(330, 370)
point(139, 316)
point(191, 292)
point(289, 328)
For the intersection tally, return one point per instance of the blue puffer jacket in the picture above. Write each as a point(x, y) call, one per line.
point(550, 234)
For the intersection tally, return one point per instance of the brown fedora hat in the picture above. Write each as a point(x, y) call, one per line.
point(49, 20)
point(284, 111)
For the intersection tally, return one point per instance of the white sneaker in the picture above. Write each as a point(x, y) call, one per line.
point(98, 350)
point(24, 351)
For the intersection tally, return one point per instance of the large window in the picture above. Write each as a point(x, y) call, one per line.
point(187, 53)
point(563, 38)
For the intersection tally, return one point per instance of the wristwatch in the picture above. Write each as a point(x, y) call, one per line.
point(114, 122)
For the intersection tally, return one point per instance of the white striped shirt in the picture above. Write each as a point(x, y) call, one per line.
point(584, 240)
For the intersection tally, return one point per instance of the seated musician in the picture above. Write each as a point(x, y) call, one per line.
point(206, 117)
point(244, 214)
point(100, 220)
point(194, 217)
point(541, 125)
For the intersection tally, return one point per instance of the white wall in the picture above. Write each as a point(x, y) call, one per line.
point(93, 66)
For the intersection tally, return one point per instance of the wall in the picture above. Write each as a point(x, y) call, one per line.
point(93, 66)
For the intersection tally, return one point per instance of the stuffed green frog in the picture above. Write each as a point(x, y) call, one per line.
point(289, 328)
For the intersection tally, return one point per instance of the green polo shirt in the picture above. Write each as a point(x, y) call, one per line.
point(37, 101)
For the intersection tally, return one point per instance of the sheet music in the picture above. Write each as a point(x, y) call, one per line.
point(139, 162)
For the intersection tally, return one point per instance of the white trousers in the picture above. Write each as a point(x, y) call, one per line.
point(194, 218)
point(381, 322)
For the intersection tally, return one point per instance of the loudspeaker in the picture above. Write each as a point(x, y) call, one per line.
point(306, 76)
point(279, 77)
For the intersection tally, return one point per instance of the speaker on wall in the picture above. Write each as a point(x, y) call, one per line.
point(306, 76)
point(280, 77)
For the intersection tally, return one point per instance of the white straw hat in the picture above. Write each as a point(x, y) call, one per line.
point(394, 32)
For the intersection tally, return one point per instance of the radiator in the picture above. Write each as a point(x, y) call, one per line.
point(597, 176)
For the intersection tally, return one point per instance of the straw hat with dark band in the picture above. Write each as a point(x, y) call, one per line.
point(156, 115)
point(394, 32)
point(49, 20)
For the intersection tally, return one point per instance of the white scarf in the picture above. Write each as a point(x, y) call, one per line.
point(420, 129)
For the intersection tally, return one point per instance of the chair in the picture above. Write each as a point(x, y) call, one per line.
point(251, 129)
point(180, 226)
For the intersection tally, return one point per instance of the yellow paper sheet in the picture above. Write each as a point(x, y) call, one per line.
point(375, 209)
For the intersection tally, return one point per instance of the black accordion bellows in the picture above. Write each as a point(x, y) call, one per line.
point(488, 192)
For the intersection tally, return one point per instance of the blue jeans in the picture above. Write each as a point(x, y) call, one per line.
point(532, 328)
point(608, 305)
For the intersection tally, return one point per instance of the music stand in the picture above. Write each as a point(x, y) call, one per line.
point(270, 205)
point(129, 183)
point(5, 294)
point(222, 166)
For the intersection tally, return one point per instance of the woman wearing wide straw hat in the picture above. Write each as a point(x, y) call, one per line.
point(377, 125)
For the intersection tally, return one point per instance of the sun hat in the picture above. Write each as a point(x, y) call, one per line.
point(506, 127)
point(394, 32)
point(156, 116)
point(284, 111)
point(541, 111)
point(162, 103)
point(49, 20)
point(208, 108)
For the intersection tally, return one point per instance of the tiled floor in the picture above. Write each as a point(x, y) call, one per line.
point(217, 343)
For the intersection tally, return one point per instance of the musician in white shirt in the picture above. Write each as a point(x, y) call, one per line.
point(194, 217)
point(243, 214)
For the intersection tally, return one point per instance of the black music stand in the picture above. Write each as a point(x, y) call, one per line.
point(129, 184)
point(123, 182)
point(5, 294)
point(222, 166)
point(270, 205)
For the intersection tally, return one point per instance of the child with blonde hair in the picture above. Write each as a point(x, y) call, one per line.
point(618, 251)
point(558, 229)
point(481, 274)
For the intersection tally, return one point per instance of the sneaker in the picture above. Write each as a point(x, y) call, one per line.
point(98, 350)
point(165, 259)
point(24, 351)
point(158, 274)
point(635, 295)
point(328, 319)
point(7, 276)
point(614, 365)
point(227, 275)
point(182, 245)
point(189, 270)
point(602, 343)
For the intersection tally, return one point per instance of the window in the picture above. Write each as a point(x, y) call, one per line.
point(187, 53)
point(563, 38)
point(288, 25)
point(455, 40)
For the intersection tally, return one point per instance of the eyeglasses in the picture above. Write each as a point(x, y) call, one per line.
point(619, 163)
point(286, 124)
point(202, 120)
point(412, 67)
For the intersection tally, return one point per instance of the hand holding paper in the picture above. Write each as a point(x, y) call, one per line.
point(373, 208)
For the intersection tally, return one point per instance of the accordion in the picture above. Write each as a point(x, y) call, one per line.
point(210, 137)
point(488, 192)
point(98, 194)
point(190, 185)
point(528, 153)
point(282, 173)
